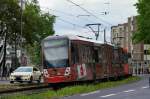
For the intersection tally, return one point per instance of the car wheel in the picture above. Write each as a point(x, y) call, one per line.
point(39, 79)
point(11, 82)
point(31, 79)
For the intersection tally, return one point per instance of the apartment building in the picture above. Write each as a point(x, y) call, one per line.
point(121, 35)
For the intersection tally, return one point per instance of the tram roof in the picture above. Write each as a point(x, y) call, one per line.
point(74, 37)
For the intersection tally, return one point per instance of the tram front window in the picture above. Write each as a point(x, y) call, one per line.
point(56, 53)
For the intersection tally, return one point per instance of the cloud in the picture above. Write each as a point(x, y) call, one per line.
point(119, 11)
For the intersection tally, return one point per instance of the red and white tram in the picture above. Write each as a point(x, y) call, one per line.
point(72, 58)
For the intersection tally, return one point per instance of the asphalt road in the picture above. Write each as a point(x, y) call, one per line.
point(138, 90)
point(4, 81)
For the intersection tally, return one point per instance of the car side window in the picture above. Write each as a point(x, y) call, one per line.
point(34, 69)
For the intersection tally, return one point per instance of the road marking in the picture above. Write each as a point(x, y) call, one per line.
point(145, 87)
point(129, 91)
point(108, 95)
point(90, 93)
point(117, 93)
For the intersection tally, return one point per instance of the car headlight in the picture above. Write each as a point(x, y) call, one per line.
point(11, 76)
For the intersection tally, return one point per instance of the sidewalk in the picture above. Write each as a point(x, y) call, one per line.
point(4, 78)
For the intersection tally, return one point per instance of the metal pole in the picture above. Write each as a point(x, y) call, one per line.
point(146, 57)
point(15, 50)
point(21, 23)
point(137, 67)
point(149, 81)
point(97, 34)
point(105, 36)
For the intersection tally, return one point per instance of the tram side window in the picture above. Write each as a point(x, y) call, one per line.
point(96, 55)
point(121, 56)
point(82, 54)
point(85, 54)
point(75, 54)
point(100, 55)
point(89, 56)
point(107, 54)
point(116, 56)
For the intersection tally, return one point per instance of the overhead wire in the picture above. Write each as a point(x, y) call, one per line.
point(76, 25)
point(89, 12)
point(66, 21)
point(71, 15)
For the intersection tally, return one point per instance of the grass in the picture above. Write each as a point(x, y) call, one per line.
point(72, 90)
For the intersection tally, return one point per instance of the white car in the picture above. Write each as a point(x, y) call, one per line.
point(25, 74)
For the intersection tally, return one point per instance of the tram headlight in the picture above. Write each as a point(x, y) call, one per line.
point(67, 71)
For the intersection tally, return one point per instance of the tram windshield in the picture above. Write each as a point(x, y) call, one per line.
point(56, 53)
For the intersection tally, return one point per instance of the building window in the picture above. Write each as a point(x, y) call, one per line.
point(114, 30)
point(120, 29)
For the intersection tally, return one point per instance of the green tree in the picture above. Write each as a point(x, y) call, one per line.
point(9, 20)
point(143, 22)
point(36, 24)
point(9, 16)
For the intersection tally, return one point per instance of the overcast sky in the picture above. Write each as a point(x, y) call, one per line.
point(72, 20)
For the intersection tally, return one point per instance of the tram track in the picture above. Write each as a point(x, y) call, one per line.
point(30, 88)
point(37, 88)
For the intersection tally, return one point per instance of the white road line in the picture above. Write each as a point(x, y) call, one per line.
point(145, 87)
point(90, 93)
point(129, 91)
point(108, 95)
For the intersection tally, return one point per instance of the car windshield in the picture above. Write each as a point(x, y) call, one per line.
point(23, 69)
point(56, 53)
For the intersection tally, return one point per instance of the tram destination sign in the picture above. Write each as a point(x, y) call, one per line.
point(53, 43)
